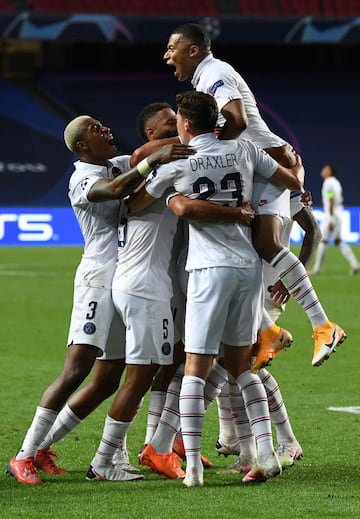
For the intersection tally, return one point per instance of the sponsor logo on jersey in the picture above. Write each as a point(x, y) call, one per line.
point(263, 202)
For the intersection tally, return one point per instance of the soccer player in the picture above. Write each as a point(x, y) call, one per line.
point(101, 178)
point(142, 291)
point(234, 431)
point(156, 121)
point(331, 225)
point(224, 295)
point(189, 51)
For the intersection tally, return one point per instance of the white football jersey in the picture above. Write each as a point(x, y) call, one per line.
point(218, 78)
point(331, 189)
point(145, 242)
point(98, 221)
point(220, 172)
point(224, 83)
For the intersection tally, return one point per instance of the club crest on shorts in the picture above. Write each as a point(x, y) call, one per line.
point(166, 348)
point(89, 328)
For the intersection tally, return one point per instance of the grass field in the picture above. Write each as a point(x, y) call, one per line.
point(35, 308)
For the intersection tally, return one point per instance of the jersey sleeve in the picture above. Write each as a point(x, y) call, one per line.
point(161, 179)
point(224, 87)
point(264, 165)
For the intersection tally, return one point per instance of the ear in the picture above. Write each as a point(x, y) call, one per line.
point(187, 125)
point(81, 146)
point(193, 50)
point(149, 133)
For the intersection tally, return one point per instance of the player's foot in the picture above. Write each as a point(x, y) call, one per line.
point(179, 449)
point(288, 452)
point(354, 270)
point(241, 464)
point(24, 471)
point(110, 473)
point(193, 478)
point(327, 338)
point(271, 342)
point(121, 460)
point(44, 460)
point(263, 470)
point(228, 447)
point(167, 464)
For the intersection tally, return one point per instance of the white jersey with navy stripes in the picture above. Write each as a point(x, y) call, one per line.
point(220, 172)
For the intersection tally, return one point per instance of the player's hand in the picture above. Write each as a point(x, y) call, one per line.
point(173, 151)
point(306, 198)
point(279, 293)
point(246, 213)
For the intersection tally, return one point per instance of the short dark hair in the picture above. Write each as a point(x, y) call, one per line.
point(147, 113)
point(333, 170)
point(195, 34)
point(200, 108)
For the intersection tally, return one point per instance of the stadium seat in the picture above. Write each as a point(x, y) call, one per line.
point(128, 7)
point(257, 7)
point(5, 6)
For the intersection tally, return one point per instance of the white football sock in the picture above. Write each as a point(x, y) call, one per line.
point(295, 278)
point(257, 409)
point(192, 413)
point(40, 426)
point(65, 422)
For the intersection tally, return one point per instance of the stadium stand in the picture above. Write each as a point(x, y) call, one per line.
point(5, 6)
point(248, 8)
point(128, 7)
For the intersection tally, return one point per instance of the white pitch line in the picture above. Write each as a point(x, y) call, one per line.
point(351, 409)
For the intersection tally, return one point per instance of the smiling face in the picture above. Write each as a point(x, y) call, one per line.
point(183, 55)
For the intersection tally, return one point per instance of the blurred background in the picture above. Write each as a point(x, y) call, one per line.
point(104, 58)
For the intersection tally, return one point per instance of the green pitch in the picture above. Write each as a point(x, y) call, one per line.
point(36, 298)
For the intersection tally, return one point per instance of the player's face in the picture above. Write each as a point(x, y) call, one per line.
point(182, 55)
point(181, 124)
point(162, 125)
point(99, 141)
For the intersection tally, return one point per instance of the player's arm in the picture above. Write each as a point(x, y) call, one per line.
point(236, 119)
point(149, 147)
point(312, 237)
point(140, 200)
point(291, 178)
point(124, 184)
point(203, 211)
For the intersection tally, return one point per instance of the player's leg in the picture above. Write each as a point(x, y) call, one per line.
point(78, 363)
point(241, 331)
point(293, 275)
point(148, 345)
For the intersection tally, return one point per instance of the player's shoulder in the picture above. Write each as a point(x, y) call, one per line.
point(121, 161)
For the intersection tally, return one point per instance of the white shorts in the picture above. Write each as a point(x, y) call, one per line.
point(95, 322)
point(224, 304)
point(149, 329)
point(269, 199)
point(336, 219)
